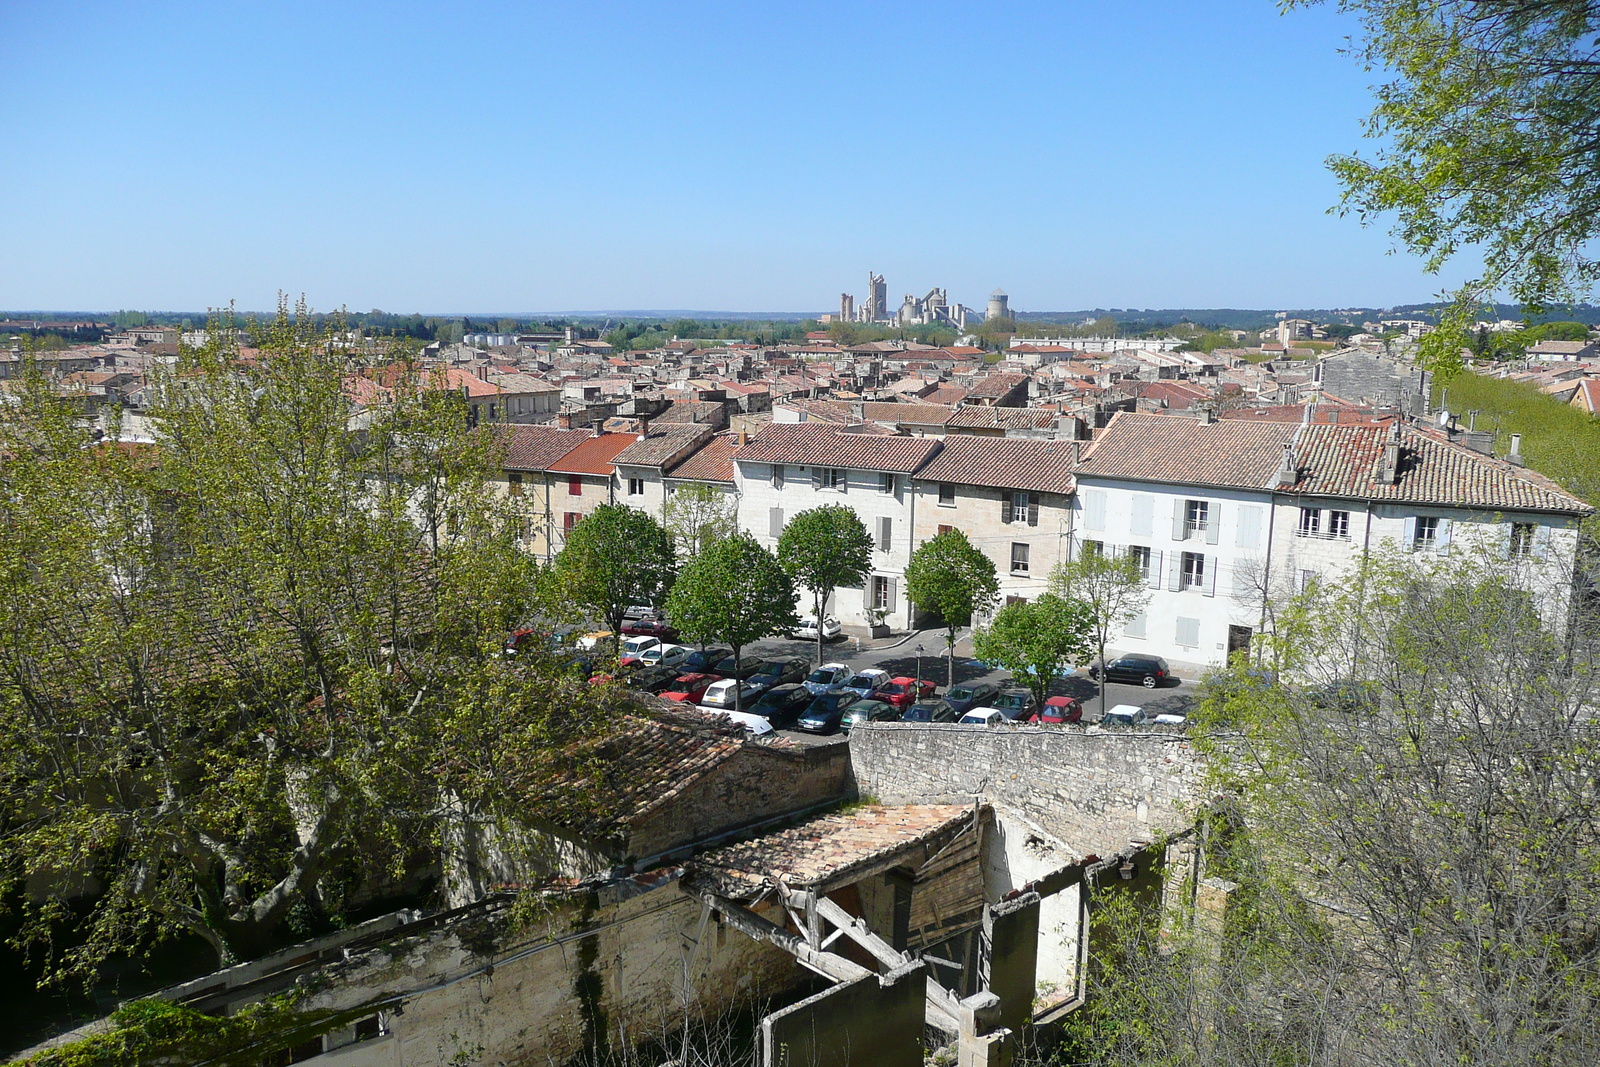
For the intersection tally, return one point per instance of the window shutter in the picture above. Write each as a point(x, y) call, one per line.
point(1410, 534)
point(1033, 509)
point(1005, 508)
point(1155, 569)
point(816, 477)
point(1247, 529)
point(1441, 541)
point(1175, 572)
point(1094, 509)
point(1144, 511)
point(866, 593)
point(1541, 542)
point(775, 521)
point(1189, 633)
point(1135, 626)
point(1210, 587)
point(843, 483)
point(1508, 530)
point(1213, 522)
point(893, 604)
point(1179, 507)
point(885, 530)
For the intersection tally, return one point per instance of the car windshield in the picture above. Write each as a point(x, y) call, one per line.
point(700, 660)
point(821, 674)
point(1010, 700)
point(895, 687)
point(962, 692)
point(861, 681)
point(829, 701)
point(771, 668)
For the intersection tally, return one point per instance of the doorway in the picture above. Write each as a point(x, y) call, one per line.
point(1238, 640)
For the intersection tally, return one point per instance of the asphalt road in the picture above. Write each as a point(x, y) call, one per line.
point(904, 661)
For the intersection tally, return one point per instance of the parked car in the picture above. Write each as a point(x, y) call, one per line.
point(1058, 710)
point(1125, 715)
point(689, 688)
point(1148, 671)
point(743, 669)
point(632, 646)
point(930, 711)
point(869, 711)
point(719, 695)
point(519, 639)
point(1171, 718)
point(867, 683)
point(1017, 705)
point(755, 725)
point(963, 698)
point(654, 679)
point(662, 655)
point(594, 639)
point(650, 628)
point(827, 678)
point(782, 704)
point(903, 692)
point(641, 610)
point(826, 711)
point(704, 659)
point(808, 628)
point(779, 672)
point(983, 717)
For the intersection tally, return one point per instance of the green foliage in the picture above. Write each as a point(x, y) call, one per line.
point(948, 575)
point(698, 514)
point(825, 548)
point(615, 557)
point(1039, 640)
point(1485, 135)
point(1558, 440)
point(734, 591)
point(1111, 587)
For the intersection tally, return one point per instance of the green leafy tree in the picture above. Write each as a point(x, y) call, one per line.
point(947, 575)
point(615, 557)
point(1112, 587)
point(238, 667)
point(822, 549)
point(1485, 135)
point(698, 514)
point(1037, 641)
point(734, 591)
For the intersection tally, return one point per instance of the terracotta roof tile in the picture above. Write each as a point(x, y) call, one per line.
point(593, 456)
point(712, 463)
point(1003, 463)
point(823, 445)
point(1181, 450)
point(971, 417)
point(534, 448)
point(995, 386)
point(663, 445)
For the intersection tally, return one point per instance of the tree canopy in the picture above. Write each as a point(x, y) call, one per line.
point(1037, 640)
point(1112, 588)
point(825, 548)
point(947, 574)
point(698, 514)
point(734, 591)
point(615, 557)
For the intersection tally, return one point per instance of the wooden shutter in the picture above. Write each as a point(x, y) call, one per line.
point(1247, 529)
point(892, 604)
point(1033, 509)
point(1213, 522)
point(1175, 572)
point(885, 532)
point(1155, 569)
point(816, 477)
point(1209, 586)
point(1441, 537)
point(775, 521)
point(1005, 507)
point(1410, 534)
point(1144, 511)
point(1541, 541)
point(1180, 509)
point(1094, 509)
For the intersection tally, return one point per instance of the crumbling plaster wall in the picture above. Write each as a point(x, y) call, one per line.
point(599, 970)
point(1092, 791)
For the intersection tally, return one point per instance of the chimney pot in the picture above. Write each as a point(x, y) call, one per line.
point(1515, 456)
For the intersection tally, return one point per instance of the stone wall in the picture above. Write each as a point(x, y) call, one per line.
point(1093, 790)
point(876, 1021)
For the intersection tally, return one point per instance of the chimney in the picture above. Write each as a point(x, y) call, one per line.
point(1515, 456)
point(1389, 466)
point(1288, 473)
point(483, 372)
point(1077, 452)
point(744, 437)
point(598, 427)
point(1309, 416)
point(1206, 415)
point(858, 412)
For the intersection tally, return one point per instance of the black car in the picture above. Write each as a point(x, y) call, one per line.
point(869, 711)
point(1016, 704)
point(963, 698)
point(825, 712)
point(930, 711)
point(704, 661)
point(1148, 671)
point(654, 679)
point(745, 668)
point(780, 672)
point(782, 705)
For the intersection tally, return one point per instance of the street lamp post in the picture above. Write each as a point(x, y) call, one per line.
point(918, 676)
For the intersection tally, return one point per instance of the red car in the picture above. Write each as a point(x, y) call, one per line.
point(904, 692)
point(689, 688)
point(650, 628)
point(1057, 710)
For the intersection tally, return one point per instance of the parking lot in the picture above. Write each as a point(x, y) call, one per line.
point(903, 660)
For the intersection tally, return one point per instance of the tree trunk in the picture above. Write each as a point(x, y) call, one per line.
point(738, 683)
point(950, 659)
point(1104, 681)
point(822, 599)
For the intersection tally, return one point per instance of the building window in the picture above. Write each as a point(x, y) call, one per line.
point(777, 476)
point(830, 478)
point(1522, 539)
point(1427, 535)
point(1308, 581)
point(1194, 570)
point(945, 529)
point(569, 520)
point(1196, 517)
point(885, 482)
point(1019, 557)
point(1010, 600)
point(1188, 633)
point(1339, 525)
point(1140, 554)
point(636, 487)
point(1094, 548)
point(947, 495)
point(880, 593)
point(1020, 507)
point(515, 480)
point(574, 485)
point(1310, 522)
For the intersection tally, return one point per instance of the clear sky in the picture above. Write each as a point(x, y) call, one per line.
point(481, 156)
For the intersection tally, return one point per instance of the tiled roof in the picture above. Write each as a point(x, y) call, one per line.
point(970, 417)
point(916, 414)
point(663, 444)
point(947, 394)
point(1588, 395)
point(713, 463)
point(691, 411)
point(593, 456)
point(823, 445)
point(1341, 461)
point(534, 448)
point(1003, 463)
point(825, 850)
point(996, 385)
point(1178, 449)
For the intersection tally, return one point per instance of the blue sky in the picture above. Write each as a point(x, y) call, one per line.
point(508, 157)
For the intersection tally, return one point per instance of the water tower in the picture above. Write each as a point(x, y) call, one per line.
point(999, 306)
